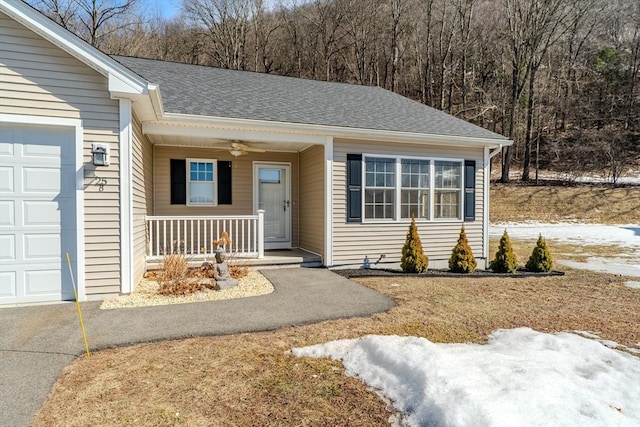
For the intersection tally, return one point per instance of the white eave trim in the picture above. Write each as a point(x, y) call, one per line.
point(122, 81)
point(178, 124)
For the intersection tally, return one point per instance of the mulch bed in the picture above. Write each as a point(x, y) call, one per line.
point(388, 272)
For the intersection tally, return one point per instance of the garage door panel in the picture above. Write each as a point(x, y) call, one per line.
point(6, 149)
point(7, 218)
point(8, 287)
point(7, 248)
point(6, 179)
point(49, 150)
point(42, 247)
point(43, 282)
point(43, 213)
point(40, 180)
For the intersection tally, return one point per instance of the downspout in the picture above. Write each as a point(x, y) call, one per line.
point(488, 155)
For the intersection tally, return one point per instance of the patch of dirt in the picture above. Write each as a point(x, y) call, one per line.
point(146, 293)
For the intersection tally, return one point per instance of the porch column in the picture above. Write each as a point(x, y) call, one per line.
point(260, 233)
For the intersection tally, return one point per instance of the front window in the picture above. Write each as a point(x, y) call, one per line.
point(447, 189)
point(380, 188)
point(201, 182)
point(415, 189)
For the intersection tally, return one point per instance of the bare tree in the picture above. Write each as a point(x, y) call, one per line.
point(92, 20)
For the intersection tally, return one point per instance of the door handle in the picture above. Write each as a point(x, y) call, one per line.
point(286, 205)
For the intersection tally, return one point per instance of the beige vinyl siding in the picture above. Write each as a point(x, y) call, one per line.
point(142, 195)
point(39, 79)
point(353, 242)
point(312, 212)
point(241, 178)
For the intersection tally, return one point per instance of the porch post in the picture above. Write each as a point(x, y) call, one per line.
point(260, 233)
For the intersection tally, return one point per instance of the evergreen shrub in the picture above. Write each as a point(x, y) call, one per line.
point(462, 259)
point(505, 260)
point(540, 259)
point(413, 258)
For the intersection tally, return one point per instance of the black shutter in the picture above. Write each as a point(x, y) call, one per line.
point(354, 187)
point(469, 190)
point(224, 182)
point(178, 182)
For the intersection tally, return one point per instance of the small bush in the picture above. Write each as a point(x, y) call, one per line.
point(540, 259)
point(174, 278)
point(413, 258)
point(462, 259)
point(505, 260)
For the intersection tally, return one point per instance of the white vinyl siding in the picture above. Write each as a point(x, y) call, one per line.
point(353, 243)
point(40, 79)
point(142, 197)
point(312, 212)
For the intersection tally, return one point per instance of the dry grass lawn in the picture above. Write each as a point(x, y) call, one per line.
point(588, 204)
point(250, 380)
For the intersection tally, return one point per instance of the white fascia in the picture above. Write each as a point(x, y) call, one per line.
point(178, 124)
point(122, 81)
point(126, 198)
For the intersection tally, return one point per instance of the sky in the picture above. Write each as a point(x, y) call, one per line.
point(171, 8)
point(519, 378)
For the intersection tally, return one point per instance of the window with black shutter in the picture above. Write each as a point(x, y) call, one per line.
point(224, 182)
point(178, 176)
point(469, 190)
point(354, 187)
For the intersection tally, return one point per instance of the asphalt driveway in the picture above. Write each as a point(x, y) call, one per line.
point(37, 342)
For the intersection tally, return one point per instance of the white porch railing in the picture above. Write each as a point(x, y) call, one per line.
point(195, 235)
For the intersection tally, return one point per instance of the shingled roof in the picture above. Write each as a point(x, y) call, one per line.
point(217, 92)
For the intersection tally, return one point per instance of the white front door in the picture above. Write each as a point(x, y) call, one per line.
point(272, 193)
point(37, 213)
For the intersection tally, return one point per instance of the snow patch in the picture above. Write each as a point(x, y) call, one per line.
point(632, 284)
point(605, 265)
point(627, 235)
point(519, 378)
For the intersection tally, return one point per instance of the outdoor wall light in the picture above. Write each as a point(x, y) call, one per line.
point(100, 154)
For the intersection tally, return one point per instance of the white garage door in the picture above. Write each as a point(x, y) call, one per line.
point(37, 213)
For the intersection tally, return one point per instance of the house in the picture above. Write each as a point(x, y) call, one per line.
point(119, 161)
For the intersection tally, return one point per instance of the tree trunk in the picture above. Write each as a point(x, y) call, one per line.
point(527, 136)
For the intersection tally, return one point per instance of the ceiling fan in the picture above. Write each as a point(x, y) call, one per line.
point(238, 149)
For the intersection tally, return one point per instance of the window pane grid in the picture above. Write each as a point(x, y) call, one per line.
point(414, 198)
point(380, 188)
point(201, 182)
point(448, 187)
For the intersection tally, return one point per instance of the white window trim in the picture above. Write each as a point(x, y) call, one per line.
point(398, 189)
point(215, 182)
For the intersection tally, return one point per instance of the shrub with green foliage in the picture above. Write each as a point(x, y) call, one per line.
point(413, 258)
point(540, 259)
point(462, 259)
point(505, 260)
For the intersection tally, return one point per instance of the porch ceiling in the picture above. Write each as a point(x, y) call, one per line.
point(224, 144)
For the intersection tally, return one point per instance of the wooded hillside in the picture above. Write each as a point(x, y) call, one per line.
point(559, 74)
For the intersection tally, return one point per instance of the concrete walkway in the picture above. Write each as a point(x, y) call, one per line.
point(37, 342)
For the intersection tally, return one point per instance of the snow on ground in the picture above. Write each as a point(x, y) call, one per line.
point(606, 265)
point(632, 284)
point(583, 234)
point(624, 239)
point(519, 378)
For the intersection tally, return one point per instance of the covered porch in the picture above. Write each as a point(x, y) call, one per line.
point(266, 192)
